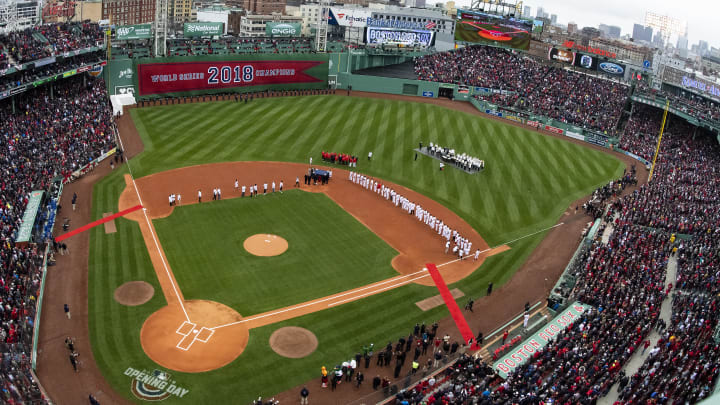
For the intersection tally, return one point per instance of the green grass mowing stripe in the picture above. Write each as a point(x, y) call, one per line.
point(294, 126)
point(279, 124)
point(192, 149)
point(310, 145)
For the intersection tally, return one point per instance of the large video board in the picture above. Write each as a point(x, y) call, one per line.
point(491, 29)
point(382, 36)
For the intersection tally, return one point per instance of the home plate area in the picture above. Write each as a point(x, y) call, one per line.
point(190, 334)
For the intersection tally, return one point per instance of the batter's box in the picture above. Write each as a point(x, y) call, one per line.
point(186, 328)
point(204, 335)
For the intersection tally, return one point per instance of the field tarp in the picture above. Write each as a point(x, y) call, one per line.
point(183, 76)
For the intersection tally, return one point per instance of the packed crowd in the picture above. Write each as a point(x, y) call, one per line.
point(624, 280)
point(339, 158)
point(566, 96)
point(461, 246)
point(46, 40)
point(27, 76)
point(641, 130)
point(239, 45)
point(45, 137)
point(697, 106)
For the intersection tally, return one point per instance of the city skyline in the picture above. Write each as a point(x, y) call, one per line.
point(698, 14)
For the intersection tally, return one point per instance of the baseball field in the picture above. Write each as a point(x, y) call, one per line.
point(348, 275)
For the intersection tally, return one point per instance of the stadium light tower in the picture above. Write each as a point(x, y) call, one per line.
point(161, 27)
point(499, 7)
point(666, 25)
point(322, 26)
point(8, 16)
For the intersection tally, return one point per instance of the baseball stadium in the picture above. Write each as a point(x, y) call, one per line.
point(197, 214)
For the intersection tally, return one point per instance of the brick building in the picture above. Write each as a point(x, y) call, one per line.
point(124, 12)
point(265, 7)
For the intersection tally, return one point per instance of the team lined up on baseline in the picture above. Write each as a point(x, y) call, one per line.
point(461, 246)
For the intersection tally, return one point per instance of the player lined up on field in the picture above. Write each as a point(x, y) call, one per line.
point(461, 246)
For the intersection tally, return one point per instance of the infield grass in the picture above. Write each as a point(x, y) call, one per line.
point(529, 181)
point(329, 251)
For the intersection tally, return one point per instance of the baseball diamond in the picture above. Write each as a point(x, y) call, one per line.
point(330, 269)
point(206, 218)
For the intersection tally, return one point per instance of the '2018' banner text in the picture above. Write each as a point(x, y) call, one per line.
point(206, 76)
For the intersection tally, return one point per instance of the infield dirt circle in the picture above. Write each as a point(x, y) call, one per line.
point(263, 244)
point(163, 331)
point(134, 293)
point(293, 342)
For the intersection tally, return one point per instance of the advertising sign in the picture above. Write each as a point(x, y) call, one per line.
point(381, 36)
point(589, 49)
point(586, 61)
point(554, 130)
point(611, 68)
point(596, 139)
point(203, 29)
point(428, 94)
point(537, 342)
point(538, 26)
point(274, 29)
point(31, 210)
point(203, 74)
point(559, 55)
point(400, 24)
point(349, 17)
point(491, 29)
point(128, 32)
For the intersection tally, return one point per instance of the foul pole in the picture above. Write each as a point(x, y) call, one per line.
point(657, 148)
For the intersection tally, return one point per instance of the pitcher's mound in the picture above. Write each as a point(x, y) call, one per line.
point(263, 244)
point(134, 293)
point(293, 342)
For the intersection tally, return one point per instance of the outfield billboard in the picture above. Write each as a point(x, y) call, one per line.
point(138, 31)
point(157, 77)
point(382, 36)
point(491, 29)
point(560, 55)
point(203, 29)
point(611, 68)
point(281, 29)
point(586, 61)
point(349, 17)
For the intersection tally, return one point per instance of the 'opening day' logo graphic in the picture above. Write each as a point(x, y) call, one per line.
point(153, 386)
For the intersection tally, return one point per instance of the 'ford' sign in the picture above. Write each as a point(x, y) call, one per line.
point(611, 68)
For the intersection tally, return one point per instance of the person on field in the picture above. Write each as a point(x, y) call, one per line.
point(304, 395)
point(199, 196)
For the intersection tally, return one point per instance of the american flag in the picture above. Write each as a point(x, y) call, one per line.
point(430, 25)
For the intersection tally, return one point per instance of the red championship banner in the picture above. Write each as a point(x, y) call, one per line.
point(158, 78)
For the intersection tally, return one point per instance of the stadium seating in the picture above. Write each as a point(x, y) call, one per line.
point(624, 280)
point(45, 137)
point(46, 40)
point(566, 96)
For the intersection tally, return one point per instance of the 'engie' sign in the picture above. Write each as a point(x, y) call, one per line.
point(525, 351)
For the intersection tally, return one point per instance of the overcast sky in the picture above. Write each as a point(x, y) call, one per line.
point(701, 15)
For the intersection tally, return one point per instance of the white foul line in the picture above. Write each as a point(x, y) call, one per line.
point(157, 245)
point(252, 318)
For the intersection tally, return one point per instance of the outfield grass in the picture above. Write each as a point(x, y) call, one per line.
point(530, 179)
point(329, 251)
